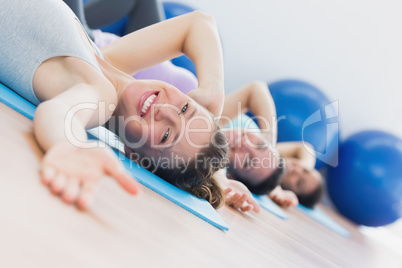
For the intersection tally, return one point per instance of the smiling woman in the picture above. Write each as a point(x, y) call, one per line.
point(173, 136)
point(48, 59)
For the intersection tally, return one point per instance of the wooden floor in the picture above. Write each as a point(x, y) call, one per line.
point(38, 230)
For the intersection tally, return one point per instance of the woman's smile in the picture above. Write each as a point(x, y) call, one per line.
point(147, 100)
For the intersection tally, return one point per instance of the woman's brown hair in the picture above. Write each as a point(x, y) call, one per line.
point(197, 177)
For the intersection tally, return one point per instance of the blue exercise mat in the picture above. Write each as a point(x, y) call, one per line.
point(198, 207)
point(266, 203)
point(319, 215)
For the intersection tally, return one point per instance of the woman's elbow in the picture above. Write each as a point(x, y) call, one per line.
point(202, 15)
point(259, 85)
point(198, 16)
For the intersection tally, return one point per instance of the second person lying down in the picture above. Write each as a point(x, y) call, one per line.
point(284, 171)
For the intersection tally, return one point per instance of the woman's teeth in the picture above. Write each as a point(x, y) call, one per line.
point(147, 104)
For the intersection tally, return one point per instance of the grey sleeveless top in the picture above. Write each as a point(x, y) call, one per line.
point(33, 31)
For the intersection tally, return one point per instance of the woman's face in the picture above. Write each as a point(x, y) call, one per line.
point(161, 121)
point(299, 180)
point(251, 155)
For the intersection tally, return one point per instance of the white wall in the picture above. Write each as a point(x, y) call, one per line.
point(351, 49)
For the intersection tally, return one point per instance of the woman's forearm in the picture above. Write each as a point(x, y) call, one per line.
point(307, 159)
point(261, 104)
point(298, 151)
point(253, 97)
point(204, 48)
point(51, 125)
point(194, 34)
point(67, 116)
point(202, 45)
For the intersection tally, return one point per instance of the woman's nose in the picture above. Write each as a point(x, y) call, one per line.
point(298, 169)
point(166, 112)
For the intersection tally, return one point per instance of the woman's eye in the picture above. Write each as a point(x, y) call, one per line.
point(184, 109)
point(165, 137)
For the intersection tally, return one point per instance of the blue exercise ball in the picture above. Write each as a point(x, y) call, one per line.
point(305, 114)
point(173, 9)
point(366, 186)
point(117, 28)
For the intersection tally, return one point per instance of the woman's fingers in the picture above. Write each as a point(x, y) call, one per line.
point(71, 191)
point(244, 202)
point(239, 203)
point(227, 190)
point(86, 194)
point(235, 198)
point(47, 174)
point(231, 200)
point(127, 182)
point(115, 170)
point(58, 183)
point(246, 208)
point(73, 173)
point(254, 204)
